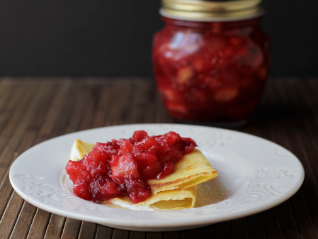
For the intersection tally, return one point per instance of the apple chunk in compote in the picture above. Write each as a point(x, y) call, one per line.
point(211, 71)
point(122, 167)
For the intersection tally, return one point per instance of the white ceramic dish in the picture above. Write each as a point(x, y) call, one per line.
point(254, 175)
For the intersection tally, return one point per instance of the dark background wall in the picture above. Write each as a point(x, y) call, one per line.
point(113, 38)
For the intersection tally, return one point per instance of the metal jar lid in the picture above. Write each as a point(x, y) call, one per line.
point(197, 10)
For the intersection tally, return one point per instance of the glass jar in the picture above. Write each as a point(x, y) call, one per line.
point(211, 65)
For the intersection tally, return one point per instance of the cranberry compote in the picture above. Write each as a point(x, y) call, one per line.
point(211, 71)
point(122, 167)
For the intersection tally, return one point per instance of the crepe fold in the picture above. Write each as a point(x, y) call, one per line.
point(192, 170)
point(176, 191)
point(167, 200)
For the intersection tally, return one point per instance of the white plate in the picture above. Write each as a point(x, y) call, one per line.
point(254, 175)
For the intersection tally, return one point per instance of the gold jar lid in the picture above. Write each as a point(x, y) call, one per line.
point(197, 10)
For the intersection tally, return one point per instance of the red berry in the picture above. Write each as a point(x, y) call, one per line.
point(138, 190)
point(168, 168)
point(149, 142)
point(146, 158)
point(123, 167)
point(125, 148)
point(151, 171)
point(139, 135)
point(81, 189)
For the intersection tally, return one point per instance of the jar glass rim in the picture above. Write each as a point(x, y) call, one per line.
point(165, 13)
point(197, 10)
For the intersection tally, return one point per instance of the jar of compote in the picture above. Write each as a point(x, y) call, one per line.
point(211, 59)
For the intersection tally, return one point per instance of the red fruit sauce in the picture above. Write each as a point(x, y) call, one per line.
point(122, 167)
point(211, 71)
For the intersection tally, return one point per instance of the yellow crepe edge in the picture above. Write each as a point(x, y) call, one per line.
point(79, 149)
point(167, 200)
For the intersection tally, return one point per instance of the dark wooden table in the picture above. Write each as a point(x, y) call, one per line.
point(34, 110)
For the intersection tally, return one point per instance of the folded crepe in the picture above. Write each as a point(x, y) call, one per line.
point(176, 191)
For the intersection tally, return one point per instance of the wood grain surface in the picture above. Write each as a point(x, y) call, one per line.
point(34, 110)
